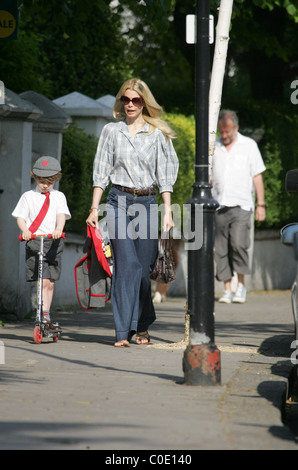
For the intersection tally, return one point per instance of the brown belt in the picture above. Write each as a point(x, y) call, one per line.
point(136, 192)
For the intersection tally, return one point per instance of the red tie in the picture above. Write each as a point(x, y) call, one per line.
point(41, 215)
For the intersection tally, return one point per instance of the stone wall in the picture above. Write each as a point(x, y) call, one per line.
point(273, 267)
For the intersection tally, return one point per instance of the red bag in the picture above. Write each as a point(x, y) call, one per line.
point(93, 273)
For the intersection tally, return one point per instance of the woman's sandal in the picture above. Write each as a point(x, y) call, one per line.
point(143, 338)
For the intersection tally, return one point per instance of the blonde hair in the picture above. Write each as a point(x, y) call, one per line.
point(151, 112)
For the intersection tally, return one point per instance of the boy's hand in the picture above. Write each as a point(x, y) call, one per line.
point(26, 235)
point(57, 233)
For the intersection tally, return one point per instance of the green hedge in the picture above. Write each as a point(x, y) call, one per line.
point(78, 152)
point(184, 144)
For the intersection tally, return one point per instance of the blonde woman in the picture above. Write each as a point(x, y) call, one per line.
point(135, 155)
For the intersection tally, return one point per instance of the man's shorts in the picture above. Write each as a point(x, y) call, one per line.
point(51, 260)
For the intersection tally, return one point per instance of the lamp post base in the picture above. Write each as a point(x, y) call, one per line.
point(201, 365)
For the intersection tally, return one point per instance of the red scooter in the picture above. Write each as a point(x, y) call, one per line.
point(42, 328)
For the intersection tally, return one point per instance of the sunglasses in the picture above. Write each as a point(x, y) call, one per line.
point(135, 101)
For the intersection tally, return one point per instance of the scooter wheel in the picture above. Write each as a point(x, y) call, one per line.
point(55, 339)
point(37, 335)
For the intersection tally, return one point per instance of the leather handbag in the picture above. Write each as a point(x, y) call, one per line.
point(164, 267)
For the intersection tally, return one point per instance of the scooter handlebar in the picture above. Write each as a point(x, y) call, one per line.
point(34, 236)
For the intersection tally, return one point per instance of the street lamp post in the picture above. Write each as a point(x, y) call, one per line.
point(201, 361)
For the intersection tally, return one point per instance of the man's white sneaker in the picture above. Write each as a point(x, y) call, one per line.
point(158, 298)
point(226, 298)
point(240, 294)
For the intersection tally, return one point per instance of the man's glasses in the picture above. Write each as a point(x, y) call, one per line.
point(135, 101)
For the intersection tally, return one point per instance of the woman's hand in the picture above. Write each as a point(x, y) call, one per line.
point(167, 219)
point(92, 220)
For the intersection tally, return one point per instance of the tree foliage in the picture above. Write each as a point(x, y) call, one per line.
point(72, 45)
point(78, 152)
point(93, 46)
point(263, 46)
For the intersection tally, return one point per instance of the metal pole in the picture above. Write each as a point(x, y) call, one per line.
point(201, 362)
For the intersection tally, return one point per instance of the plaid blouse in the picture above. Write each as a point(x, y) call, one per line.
point(148, 160)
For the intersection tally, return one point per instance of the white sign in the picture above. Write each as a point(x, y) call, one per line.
point(191, 33)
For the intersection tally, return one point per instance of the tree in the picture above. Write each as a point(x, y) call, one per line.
point(67, 45)
point(72, 45)
point(263, 46)
point(218, 68)
point(149, 28)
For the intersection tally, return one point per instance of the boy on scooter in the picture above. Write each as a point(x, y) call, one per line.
point(43, 211)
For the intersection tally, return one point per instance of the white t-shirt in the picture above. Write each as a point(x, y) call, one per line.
point(30, 204)
point(233, 172)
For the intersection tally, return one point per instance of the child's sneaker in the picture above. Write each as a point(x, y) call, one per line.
point(49, 325)
point(240, 294)
point(227, 297)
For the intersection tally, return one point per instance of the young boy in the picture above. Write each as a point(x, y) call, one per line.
point(35, 217)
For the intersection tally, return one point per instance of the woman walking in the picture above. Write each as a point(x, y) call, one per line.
point(135, 155)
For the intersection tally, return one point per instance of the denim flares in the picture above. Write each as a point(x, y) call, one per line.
point(133, 230)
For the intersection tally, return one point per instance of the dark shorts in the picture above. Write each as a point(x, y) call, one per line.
point(232, 241)
point(51, 261)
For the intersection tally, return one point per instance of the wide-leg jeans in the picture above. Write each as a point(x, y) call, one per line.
point(133, 230)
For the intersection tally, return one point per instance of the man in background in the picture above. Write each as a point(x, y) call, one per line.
point(237, 169)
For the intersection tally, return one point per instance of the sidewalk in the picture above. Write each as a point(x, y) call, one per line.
point(82, 393)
